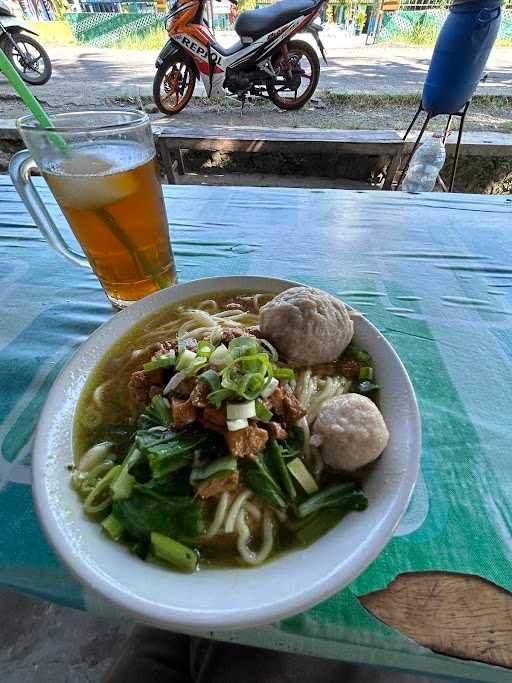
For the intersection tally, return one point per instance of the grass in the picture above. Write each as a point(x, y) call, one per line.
point(369, 100)
point(429, 40)
point(154, 39)
point(53, 32)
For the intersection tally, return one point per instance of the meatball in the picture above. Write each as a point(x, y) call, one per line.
point(306, 325)
point(352, 432)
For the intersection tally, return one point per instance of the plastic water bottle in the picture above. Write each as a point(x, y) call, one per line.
point(426, 164)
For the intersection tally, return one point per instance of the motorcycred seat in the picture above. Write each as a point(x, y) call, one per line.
point(257, 22)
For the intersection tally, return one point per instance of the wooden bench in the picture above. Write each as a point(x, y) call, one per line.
point(171, 140)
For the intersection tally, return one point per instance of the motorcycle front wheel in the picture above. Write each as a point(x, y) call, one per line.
point(174, 84)
point(29, 58)
point(292, 92)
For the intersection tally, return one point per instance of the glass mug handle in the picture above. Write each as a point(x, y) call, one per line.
point(19, 169)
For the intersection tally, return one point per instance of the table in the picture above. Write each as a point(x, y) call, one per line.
point(434, 273)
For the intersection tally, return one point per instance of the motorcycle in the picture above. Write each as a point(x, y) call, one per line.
point(265, 62)
point(29, 58)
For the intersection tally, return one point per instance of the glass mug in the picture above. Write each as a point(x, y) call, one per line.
point(101, 169)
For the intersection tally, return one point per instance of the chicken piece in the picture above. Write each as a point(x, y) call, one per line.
point(139, 385)
point(207, 489)
point(231, 333)
point(144, 385)
point(254, 331)
point(184, 389)
point(247, 442)
point(155, 376)
point(172, 345)
point(155, 390)
point(286, 405)
point(349, 367)
point(293, 410)
point(276, 431)
point(199, 394)
point(183, 413)
point(214, 419)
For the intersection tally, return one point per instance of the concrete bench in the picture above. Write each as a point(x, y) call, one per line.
point(173, 139)
point(170, 140)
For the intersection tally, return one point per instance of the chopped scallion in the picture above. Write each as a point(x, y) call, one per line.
point(216, 397)
point(262, 413)
point(366, 372)
point(211, 378)
point(367, 387)
point(303, 476)
point(220, 356)
point(284, 373)
point(175, 553)
point(269, 387)
point(204, 349)
point(240, 411)
point(236, 425)
point(161, 363)
point(185, 358)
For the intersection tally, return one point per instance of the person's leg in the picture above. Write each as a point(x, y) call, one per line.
point(162, 657)
point(152, 655)
point(215, 662)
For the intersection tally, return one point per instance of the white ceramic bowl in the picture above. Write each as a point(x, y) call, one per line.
point(223, 598)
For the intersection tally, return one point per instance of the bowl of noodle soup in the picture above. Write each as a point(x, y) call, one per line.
point(246, 556)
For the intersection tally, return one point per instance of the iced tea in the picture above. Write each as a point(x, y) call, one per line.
point(111, 196)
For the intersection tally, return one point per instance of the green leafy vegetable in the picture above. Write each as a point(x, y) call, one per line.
point(258, 478)
point(157, 414)
point(120, 435)
point(326, 519)
point(173, 484)
point(220, 467)
point(293, 445)
point(146, 511)
point(162, 363)
point(332, 496)
point(273, 457)
point(169, 451)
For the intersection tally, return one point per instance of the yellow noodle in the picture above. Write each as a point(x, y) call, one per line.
point(220, 514)
point(244, 535)
point(229, 525)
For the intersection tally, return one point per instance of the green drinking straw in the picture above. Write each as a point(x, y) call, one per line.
point(44, 120)
point(39, 113)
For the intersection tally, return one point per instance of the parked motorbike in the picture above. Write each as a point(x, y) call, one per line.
point(265, 62)
point(29, 58)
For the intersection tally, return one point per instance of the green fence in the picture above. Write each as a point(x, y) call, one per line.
point(104, 29)
point(421, 27)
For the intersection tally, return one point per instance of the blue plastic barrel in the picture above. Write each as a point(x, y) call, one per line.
point(460, 55)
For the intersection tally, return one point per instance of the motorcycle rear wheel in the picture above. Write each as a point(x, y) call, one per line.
point(174, 84)
point(29, 58)
point(305, 67)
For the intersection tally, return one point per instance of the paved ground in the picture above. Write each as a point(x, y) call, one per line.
point(51, 644)
point(86, 76)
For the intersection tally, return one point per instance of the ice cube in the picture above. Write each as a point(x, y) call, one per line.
point(84, 183)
